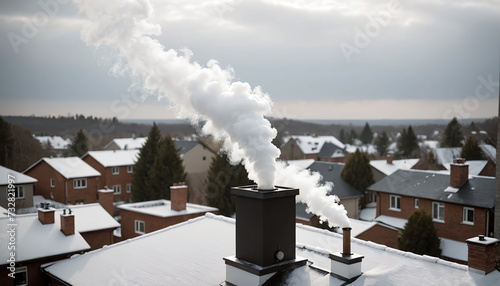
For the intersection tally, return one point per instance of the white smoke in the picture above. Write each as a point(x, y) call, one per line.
point(233, 111)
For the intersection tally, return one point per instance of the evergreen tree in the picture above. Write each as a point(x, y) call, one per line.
point(366, 135)
point(407, 143)
point(471, 150)
point(221, 177)
point(357, 172)
point(166, 170)
point(351, 137)
point(382, 142)
point(419, 235)
point(342, 136)
point(452, 136)
point(141, 169)
point(6, 144)
point(80, 145)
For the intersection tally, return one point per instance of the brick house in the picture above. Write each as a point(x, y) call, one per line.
point(23, 184)
point(461, 205)
point(145, 217)
point(67, 180)
point(116, 168)
point(126, 143)
point(309, 147)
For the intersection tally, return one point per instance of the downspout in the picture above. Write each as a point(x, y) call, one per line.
point(66, 191)
point(487, 223)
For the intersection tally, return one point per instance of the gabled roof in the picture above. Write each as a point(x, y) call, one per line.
point(19, 178)
point(489, 151)
point(35, 240)
point(114, 158)
point(330, 150)
point(313, 144)
point(191, 253)
point(301, 163)
point(478, 191)
point(69, 167)
point(330, 172)
point(185, 146)
point(446, 155)
point(387, 169)
point(128, 143)
point(162, 208)
point(57, 142)
point(475, 166)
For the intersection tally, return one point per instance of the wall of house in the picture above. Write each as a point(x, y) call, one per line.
point(97, 239)
point(86, 195)
point(489, 170)
point(25, 202)
point(377, 175)
point(452, 227)
point(332, 160)
point(382, 235)
point(291, 151)
point(43, 173)
point(196, 163)
point(351, 206)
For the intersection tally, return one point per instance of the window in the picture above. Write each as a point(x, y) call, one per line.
point(372, 197)
point(115, 170)
point(117, 189)
point(52, 183)
point(438, 212)
point(468, 215)
point(21, 277)
point(416, 203)
point(395, 203)
point(140, 227)
point(128, 188)
point(130, 169)
point(80, 183)
point(20, 192)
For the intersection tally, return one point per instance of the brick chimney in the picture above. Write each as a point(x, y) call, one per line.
point(346, 265)
point(106, 198)
point(68, 222)
point(178, 196)
point(482, 254)
point(459, 173)
point(389, 159)
point(46, 214)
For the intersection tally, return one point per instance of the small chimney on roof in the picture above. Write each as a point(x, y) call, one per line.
point(389, 159)
point(346, 265)
point(482, 256)
point(68, 222)
point(459, 173)
point(178, 196)
point(46, 214)
point(106, 198)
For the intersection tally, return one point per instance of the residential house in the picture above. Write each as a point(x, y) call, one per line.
point(145, 217)
point(116, 168)
point(487, 167)
point(17, 186)
point(460, 204)
point(309, 147)
point(126, 143)
point(67, 180)
point(56, 144)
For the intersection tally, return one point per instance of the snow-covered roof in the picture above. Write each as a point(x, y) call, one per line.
point(398, 223)
point(313, 144)
point(431, 144)
point(69, 167)
point(92, 217)
point(454, 249)
point(301, 164)
point(387, 169)
point(114, 158)
point(191, 253)
point(369, 148)
point(368, 214)
point(475, 166)
point(19, 178)
point(359, 226)
point(489, 151)
point(57, 142)
point(446, 155)
point(35, 240)
point(162, 208)
point(128, 143)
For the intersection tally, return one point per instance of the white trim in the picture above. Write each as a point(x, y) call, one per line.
point(464, 216)
point(137, 227)
point(80, 185)
point(395, 208)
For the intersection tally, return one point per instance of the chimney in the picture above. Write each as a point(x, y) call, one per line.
point(459, 173)
point(265, 235)
point(389, 159)
point(178, 196)
point(67, 222)
point(482, 256)
point(106, 198)
point(346, 265)
point(46, 214)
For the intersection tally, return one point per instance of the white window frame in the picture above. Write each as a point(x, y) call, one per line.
point(115, 170)
point(21, 270)
point(465, 216)
point(397, 203)
point(416, 203)
point(128, 188)
point(80, 183)
point(117, 189)
point(137, 226)
point(52, 183)
point(436, 206)
point(130, 169)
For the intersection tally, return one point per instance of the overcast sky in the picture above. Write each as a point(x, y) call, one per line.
point(316, 59)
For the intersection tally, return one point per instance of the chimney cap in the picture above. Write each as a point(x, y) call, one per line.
point(459, 161)
point(482, 240)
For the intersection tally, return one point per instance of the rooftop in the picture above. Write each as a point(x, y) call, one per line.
point(114, 158)
point(69, 167)
point(128, 143)
point(185, 146)
point(387, 169)
point(475, 166)
point(19, 178)
point(162, 208)
point(313, 144)
point(56, 142)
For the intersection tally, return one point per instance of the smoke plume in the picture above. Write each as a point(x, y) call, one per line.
point(233, 110)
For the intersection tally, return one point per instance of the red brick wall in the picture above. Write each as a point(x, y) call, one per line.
point(99, 238)
point(381, 235)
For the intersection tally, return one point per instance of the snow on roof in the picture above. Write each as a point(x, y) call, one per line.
point(57, 142)
point(128, 143)
point(162, 208)
point(114, 158)
point(359, 226)
point(454, 249)
point(313, 144)
point(70, 167)
point(398, 223)
point(489, 151)
point(446, 155)
point(35, 240)
point(475, 166)
point(92, 217)
point(388, 169)
point(301, 164)
point(431, 144)
point(191, 253)
point(19, 178)
point(367, 214)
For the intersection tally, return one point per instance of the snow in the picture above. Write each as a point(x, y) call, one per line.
point(91, 217)
point(392, 221)
point(369, 148)
point(368, 214)
point(114, 158)
point(451, 190)
point(162, 208)
point(34, 240)
point(475, 166)
point(57, 142)
point(300, 164)
point(388, 169)
point(446, 155)
point(71, 167)
point(431, 144)
point(313, 144)
point(489, 151)
point(454, 249)
point(359, 226)
point(128, 143)
point(19, 178)
point(191, 253)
